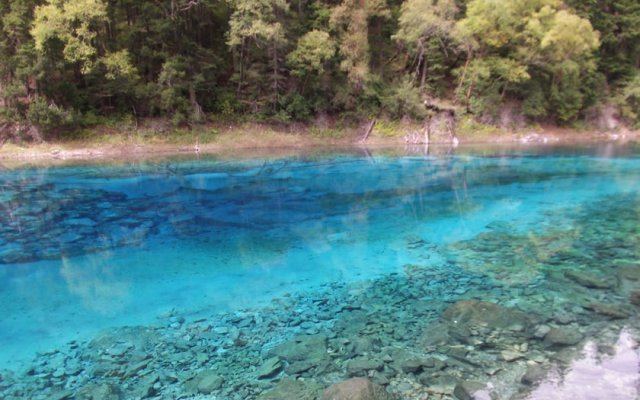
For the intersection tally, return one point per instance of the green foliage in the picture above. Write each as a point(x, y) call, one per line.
point(271, 60)
point(512, 43)
point(618, 22)
point(470, 127)
point(255, 20)
point(48, 116)
point(404, 99)
point(425, 29)
point(630, 100)
point(72, 22)
point(314, 49)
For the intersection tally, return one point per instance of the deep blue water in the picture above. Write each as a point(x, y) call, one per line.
point(86, 248)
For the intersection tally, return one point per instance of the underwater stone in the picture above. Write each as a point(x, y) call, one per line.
point(269, 368)
point(290, 388)
point(443, 384)
point(63, 395)
point(608, 310)
point(533, 375)
point(411, 365)
point(588, 280)
point(494, 316)
point(510, 355)
point(629, 272)
point(299, 367)
point(359, 366)
point(634, 298)
point(470, 390)
point(103, 391)
point(134, 369)
point(380, 379)
point(312, 348)
point(562, 337)
point(145, 388)
point(356, 389)
point(208, 381)
point(540, 331)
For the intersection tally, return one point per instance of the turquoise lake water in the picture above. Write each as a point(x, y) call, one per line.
point(512, 272)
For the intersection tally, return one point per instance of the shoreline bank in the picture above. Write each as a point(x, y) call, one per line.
point(267, 141)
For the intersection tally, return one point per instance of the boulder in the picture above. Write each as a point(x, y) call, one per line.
point(356, 389)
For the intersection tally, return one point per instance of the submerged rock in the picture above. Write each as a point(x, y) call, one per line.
point(629, 272)
point(562, 337)
point(588, 280)
point(62, 395)
point(270, 368)
point(311, 348)
point(608, 310)
point(490, 315)
point(634, 298)
point(533, 375)
point(208, 381)
point(104, 391)
point(356, 389)
point(361, 365)
point(290, 388)
point(470, 390)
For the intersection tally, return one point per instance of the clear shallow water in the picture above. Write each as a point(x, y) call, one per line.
point(220, 266)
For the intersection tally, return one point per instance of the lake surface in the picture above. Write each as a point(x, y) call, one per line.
point(505, 273)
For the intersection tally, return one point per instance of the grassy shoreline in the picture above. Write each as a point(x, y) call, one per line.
point(129, 142)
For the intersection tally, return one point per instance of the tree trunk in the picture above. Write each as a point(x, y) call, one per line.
point(196, 108)
point(368, 131)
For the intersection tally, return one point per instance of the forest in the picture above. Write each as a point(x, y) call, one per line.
point(70, 63)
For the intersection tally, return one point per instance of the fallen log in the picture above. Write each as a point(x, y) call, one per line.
point(369, 130)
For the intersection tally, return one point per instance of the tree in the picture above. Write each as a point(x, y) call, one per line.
point(512, 44)
point(73, 23)
point(425, 29)
point(314, 49)
point(350, 20)
point(253, 26)
point(618, 22)
point(630, 100)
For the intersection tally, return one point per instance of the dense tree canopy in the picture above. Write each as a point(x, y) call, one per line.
point(69, 62)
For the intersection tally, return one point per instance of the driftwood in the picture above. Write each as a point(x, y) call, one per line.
point(372, 124)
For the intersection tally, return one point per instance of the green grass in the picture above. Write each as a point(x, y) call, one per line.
point(327, 133)
point(388, 129)
point(470, 128)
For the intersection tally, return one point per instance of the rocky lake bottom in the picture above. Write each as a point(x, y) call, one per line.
point(547, 312)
